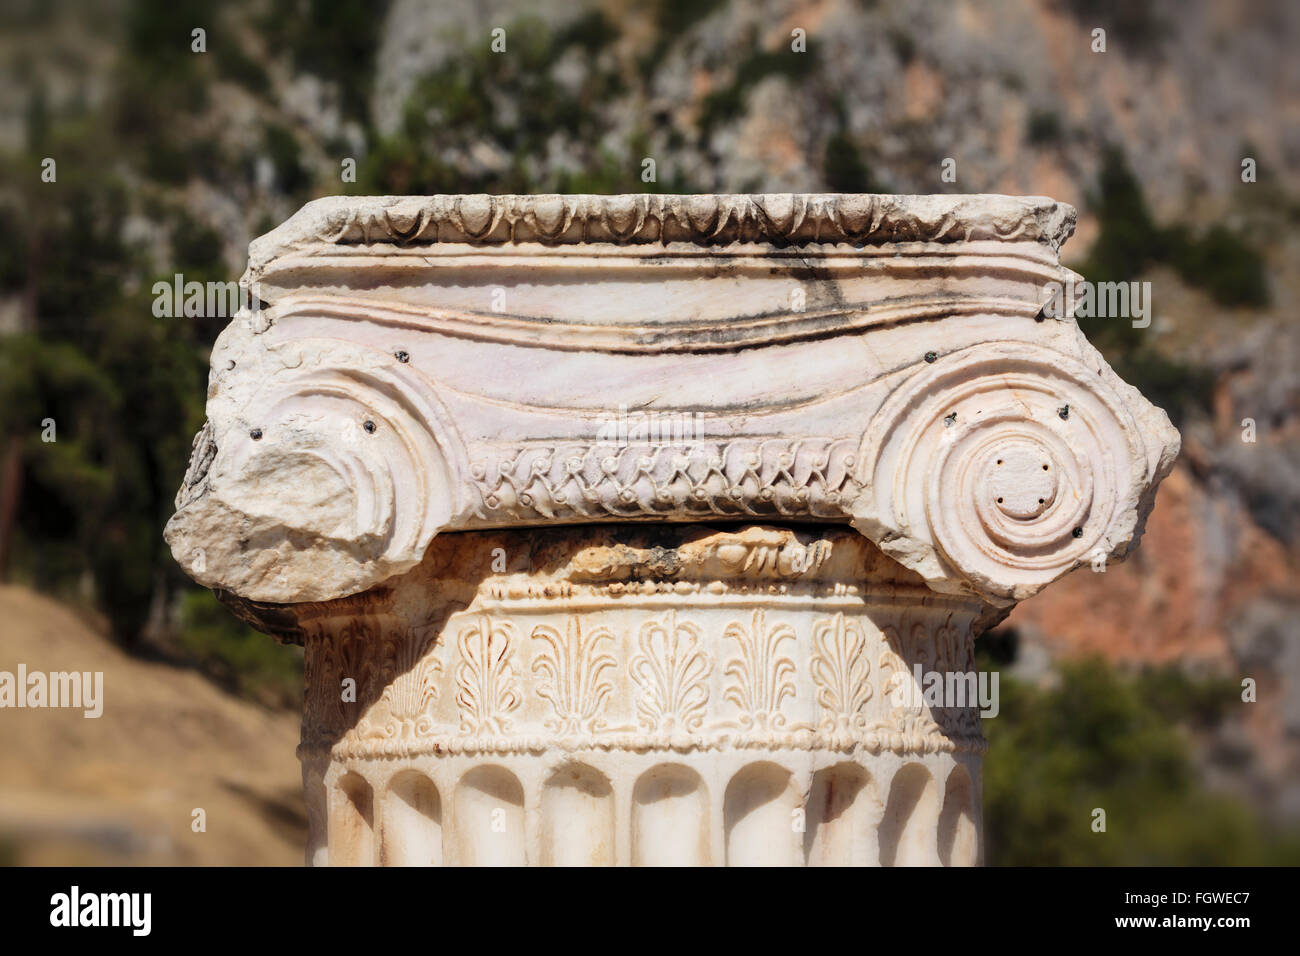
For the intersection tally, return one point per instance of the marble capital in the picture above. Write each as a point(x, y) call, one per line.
point(453, 430)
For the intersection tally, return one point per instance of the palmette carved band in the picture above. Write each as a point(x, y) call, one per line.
point(763, 638)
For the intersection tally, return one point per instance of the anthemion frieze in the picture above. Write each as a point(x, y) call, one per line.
point(625, 529)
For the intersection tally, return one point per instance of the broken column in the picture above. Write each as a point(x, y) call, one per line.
point(619, 529)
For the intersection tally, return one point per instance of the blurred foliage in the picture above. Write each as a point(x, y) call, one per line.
point(246, 661)
point(1044, 127)
point(1101, 739)
point(728, 102)
point(235, 65)
point(903, 44)
point(1222, 263)
point(332, 39)
point(281, 148)
point(1129, 241)
point(124, 390)
point(672, 19)
point(507, 111)
point(1139, 26)
point(843, 165)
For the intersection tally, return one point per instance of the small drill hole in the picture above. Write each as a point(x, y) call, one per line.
point(369, 426)
point(999, 501)
point(1040, 501)
point(999, 461)
point(255, 434)
point(1044, 468)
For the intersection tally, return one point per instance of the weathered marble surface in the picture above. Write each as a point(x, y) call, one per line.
point(668, 695)
point(422, 365)
point(623, 520)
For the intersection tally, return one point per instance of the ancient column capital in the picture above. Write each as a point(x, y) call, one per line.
point(655, 529)
point(417, 365)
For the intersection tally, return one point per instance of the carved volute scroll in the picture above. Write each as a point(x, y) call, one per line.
point(486, 382)
point(623, 529)
point(1000, 467)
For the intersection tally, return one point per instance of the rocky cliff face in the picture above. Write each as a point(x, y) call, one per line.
point(1010, 89)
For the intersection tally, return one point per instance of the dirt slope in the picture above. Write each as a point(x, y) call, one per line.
point(121, 789)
